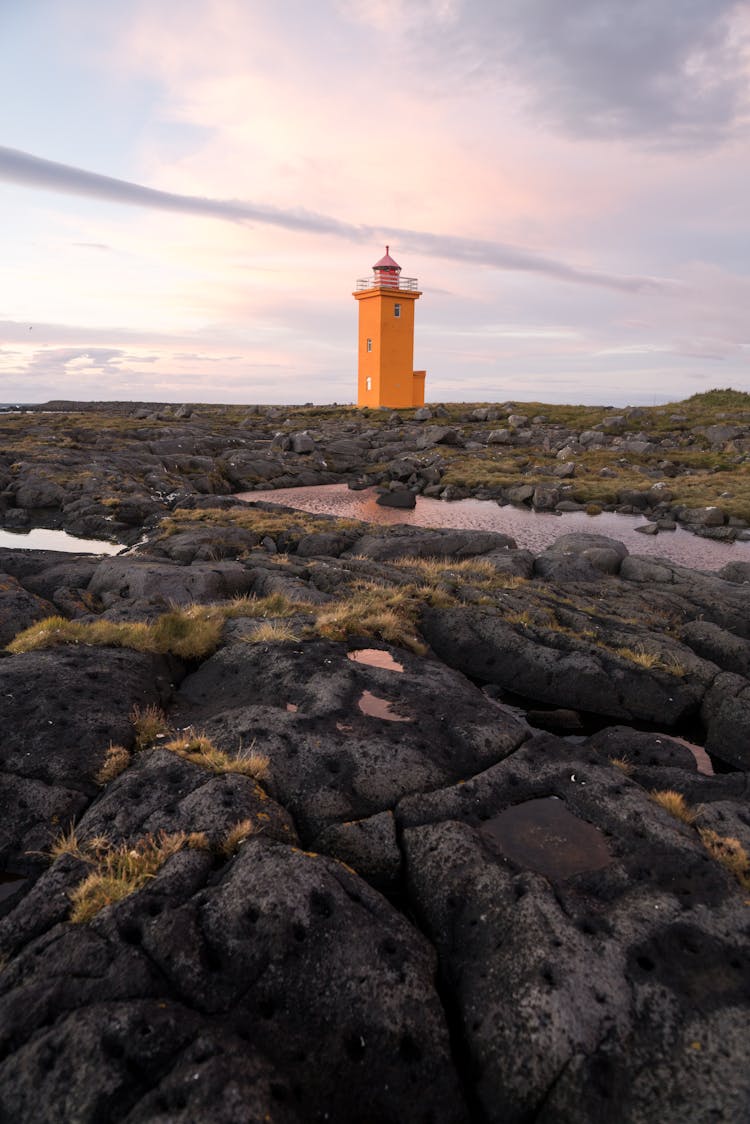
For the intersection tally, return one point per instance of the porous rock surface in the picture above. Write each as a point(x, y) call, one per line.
point(429, 911)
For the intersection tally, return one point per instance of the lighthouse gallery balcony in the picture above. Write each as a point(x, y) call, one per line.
point(405, 284)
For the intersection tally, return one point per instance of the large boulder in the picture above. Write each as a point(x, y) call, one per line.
point(552, 667)
point(399, 497)
point(346, 739)
point(146, 581)
point(60, 709)
point(19, 608)
point(729, 731)
point(585, 960)
point(278, 986)
point(400, 541)
point(730, 652)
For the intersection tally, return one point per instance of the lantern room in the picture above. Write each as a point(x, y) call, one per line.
point(387, 271)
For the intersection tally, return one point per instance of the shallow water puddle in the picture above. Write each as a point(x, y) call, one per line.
point(375, 707)
point(544, 836)
point(40, 538)
point(375, 657)
point(702, 760)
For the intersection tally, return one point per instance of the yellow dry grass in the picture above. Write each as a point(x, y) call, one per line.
point(121, 870)
point(264, 523)
point(65, 844)
point(200, 750)
point(524, 619)
point(674, 803)
point(148, 722)
point(191, 633)
point(472, 571)
point(652, 661)
point(729, 852)
point(387, 614)
point(236, 836)
point(274, 605)
point(116, 760)
point(271, 632)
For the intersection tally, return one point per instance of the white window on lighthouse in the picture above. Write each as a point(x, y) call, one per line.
point(368, 383)
point(397, 310)
point(369, 345)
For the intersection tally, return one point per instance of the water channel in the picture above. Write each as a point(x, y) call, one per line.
point(531, 529)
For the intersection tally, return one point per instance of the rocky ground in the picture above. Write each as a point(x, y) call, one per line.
point(105, 470)
point(309, 820)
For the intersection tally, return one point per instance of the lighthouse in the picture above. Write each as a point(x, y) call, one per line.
point(386, 375)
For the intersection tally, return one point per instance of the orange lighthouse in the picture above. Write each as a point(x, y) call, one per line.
point(386, 338)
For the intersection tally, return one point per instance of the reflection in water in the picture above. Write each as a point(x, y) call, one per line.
point(40, 538)
point(533, 530)
point(374, 707)
point(375, 657)
point(542, 835)
point(702, 760)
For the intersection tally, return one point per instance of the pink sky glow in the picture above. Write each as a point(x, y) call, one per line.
point(568, 182)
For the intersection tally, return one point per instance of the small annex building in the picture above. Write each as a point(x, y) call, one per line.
point(386, 375)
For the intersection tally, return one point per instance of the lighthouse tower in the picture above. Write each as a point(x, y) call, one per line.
point(386, 338)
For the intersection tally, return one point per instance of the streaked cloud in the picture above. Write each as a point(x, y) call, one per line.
point(35, 172)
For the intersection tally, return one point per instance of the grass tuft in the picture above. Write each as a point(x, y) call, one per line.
point(389, 615)
point(729, 852)
point(120, 871)
point(478, 572)
point(651, 661)
point(236, 836)
point(524, 619)
point(271, 632)
point(116, 761)
point(622, 764)
point(274, 605)
point(200, 750)
point(65, 844)
point(674, 803)
point(148, 722)
point(191, 633)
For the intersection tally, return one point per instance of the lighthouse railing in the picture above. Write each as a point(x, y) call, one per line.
point(405, 284)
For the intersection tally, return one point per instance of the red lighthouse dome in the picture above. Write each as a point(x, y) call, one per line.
point(387, 270)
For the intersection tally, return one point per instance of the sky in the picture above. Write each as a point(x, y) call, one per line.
point(189, 190)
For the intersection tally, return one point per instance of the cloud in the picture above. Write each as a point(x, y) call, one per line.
point(33, 171)
point(620, 68)
point(48, 360)
point(672, 74)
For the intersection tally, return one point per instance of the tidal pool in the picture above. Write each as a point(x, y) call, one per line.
point(41, 538)
point(375, 657)
point(542, 835)
point(533, 530)
point(376, 707)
